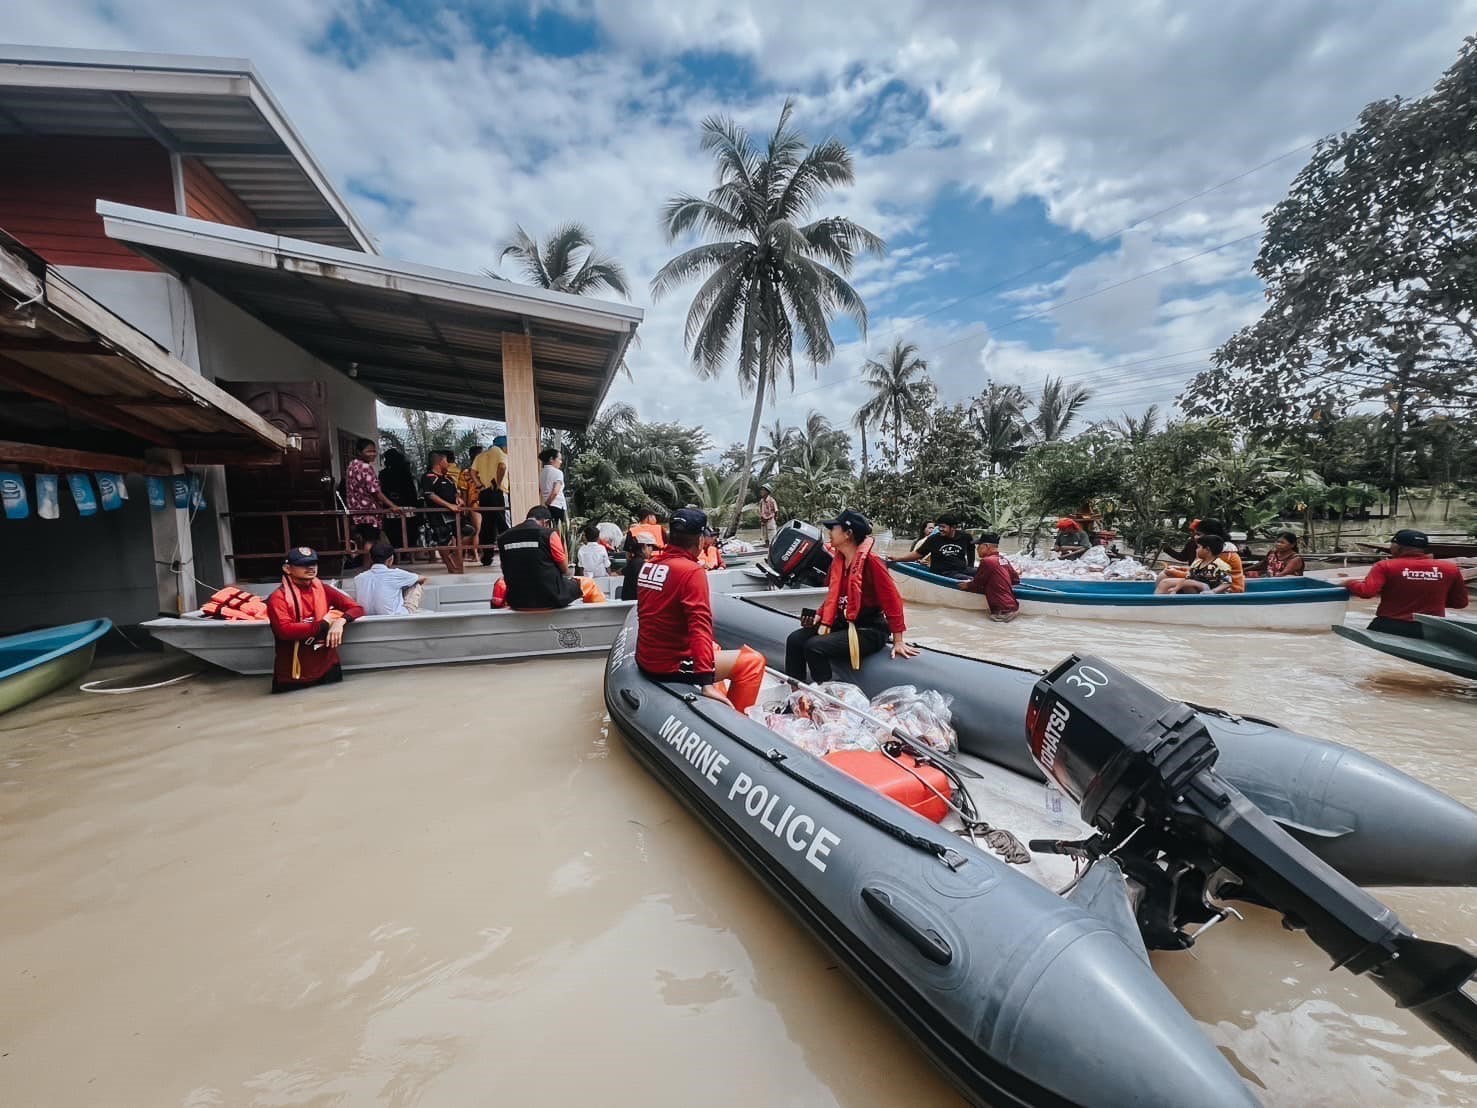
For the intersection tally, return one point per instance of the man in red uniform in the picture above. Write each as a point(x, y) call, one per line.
point(674, 635)
point(862, 605)
point(996, 579)
point(1408, 582)
point(308, 619)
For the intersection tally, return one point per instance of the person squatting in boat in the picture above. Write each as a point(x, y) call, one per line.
point(862, 605)
point(536, 576)
point(674, 639)
point(308, 620)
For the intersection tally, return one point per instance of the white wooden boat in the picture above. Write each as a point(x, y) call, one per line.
point(428, 638)
point(1276, 604)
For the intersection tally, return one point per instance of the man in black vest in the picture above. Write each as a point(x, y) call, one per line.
point(533, 576)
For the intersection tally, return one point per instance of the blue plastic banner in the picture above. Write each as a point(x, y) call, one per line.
point(107, 492)
point(48, 496)
point(157, 499)
point(197, 491)
point(181, 485)
point(81, 486)
point(122, 483)
point(13, 492)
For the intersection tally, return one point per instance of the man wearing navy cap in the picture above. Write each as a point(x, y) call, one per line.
point(308, 619)
point(674, 636)
point(1408, 582)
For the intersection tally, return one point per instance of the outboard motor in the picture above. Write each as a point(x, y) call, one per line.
point(1142, 767)
point(798, 557)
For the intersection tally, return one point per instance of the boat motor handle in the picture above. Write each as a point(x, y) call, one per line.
point(923, 938)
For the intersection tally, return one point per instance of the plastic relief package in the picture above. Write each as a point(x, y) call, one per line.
point(924, 716)
point(819, 727)
point(1095, 558)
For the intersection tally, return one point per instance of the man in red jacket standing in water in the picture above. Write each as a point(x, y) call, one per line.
point(674, 635)
point(308, 620)
point(995, 579)
point(862, 604)
point(1408, 582)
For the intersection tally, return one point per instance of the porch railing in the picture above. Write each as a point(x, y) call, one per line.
point(451, 554)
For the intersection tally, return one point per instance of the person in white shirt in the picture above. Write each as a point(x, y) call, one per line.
point(383, 590)
point(551, 485)
point(594, 559)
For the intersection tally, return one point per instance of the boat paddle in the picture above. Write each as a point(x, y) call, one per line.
point(918, 749)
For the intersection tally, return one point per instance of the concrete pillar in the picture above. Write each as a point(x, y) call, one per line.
point(174, 548)
point(520, 407)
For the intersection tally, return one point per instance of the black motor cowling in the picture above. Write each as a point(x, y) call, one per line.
point(798, 557)
point(1142, 767)
point(1111, 742)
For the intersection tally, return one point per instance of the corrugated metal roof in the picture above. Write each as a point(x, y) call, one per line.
point(214, 109)
point(69, 364)
point(417, 336)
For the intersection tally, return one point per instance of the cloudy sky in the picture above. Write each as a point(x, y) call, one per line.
point(1069, 188)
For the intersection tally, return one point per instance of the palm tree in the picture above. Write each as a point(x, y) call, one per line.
point(712, 492)
point(860, 421)
point(899, 384)
point(817, 437)
point(770, 279)
point(1137, 430)
point(558, 266)
point(999, 415)
point(1057, 408)
point(775, 450)
point(419, 434)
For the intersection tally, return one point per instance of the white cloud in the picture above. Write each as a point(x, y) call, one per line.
point(1103, 113)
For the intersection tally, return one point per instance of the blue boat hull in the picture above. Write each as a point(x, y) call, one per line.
point(40, 662)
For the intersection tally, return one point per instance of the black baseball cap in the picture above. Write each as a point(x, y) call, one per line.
point(688, 521)
point(1417, 540)
point(988, 536)
point(851, 519)
point(302, 556)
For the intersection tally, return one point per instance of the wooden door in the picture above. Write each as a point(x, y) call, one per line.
point(303, 482)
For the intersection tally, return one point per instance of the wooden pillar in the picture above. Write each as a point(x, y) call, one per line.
point(520, 406)
point(174, 548)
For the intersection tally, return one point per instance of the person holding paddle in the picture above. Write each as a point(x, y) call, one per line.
point(862, 606)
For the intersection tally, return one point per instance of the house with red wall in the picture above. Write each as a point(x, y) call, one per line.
point(184, 292)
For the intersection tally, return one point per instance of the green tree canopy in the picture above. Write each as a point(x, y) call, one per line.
point(1371, 273)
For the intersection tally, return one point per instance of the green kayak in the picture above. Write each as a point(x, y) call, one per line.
point(1459, 634)
point(39, 662)
point(1425, 652)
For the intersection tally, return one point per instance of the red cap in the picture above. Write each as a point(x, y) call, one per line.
point(1066, 522)
point(1194, 525)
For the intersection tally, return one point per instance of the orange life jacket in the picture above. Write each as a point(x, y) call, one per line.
point(651, 529)
point(710, 558)
point(237, 604)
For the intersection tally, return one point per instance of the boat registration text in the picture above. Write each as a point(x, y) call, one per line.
point(798, 831)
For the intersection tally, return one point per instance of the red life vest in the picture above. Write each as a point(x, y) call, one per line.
point(236, 604)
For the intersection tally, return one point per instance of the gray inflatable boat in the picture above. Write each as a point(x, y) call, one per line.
point(1021, 996)
point(1030, 983)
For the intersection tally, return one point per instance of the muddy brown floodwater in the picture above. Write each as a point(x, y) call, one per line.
point(454, 886)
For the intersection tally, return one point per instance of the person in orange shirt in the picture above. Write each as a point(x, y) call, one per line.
point(708, 554)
